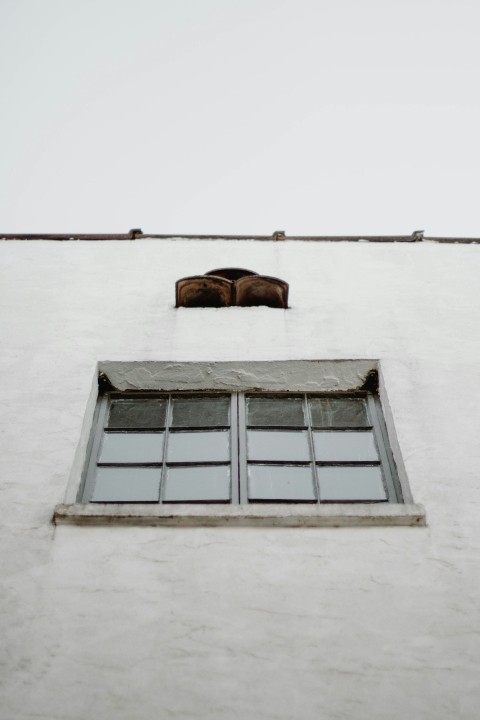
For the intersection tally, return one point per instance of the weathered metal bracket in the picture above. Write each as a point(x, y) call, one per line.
point(231, 286)
point(203, 291)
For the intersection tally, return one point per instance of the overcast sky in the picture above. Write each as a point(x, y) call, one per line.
point(240, 116)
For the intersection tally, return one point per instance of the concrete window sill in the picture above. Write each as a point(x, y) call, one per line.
point(261, 515)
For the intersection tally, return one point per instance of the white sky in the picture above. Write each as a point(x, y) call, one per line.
point(240, 116)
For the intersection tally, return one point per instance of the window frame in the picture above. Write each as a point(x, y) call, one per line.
point(252, 376)
point(238, 429)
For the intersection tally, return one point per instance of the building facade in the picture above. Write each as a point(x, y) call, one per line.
point(357, 610)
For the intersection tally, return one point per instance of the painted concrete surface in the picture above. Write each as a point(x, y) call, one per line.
point(271, 376)
point(260, 515)
point(235, 622)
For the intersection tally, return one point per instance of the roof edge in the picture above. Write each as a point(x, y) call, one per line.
point(279, 236)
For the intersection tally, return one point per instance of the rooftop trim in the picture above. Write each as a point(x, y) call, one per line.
point(277, 236)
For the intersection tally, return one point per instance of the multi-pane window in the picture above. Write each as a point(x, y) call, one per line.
point(240, 448)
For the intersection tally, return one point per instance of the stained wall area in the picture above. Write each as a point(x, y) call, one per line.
point(234, 622)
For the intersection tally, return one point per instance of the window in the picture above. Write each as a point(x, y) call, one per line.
point(240, 448)
point(287, 443)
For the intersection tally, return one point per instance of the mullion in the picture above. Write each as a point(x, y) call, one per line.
point(242, 449)
point(234, 451)
point(168, 420)
point(308, 415)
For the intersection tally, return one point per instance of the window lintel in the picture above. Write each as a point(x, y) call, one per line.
point(270, 375)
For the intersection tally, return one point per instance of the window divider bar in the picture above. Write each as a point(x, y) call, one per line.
point(130, 465)
point(130, 430)
point(196, 463)
point(348, 463)
point(282, 463)
point(168, 421)
point(234, 445)
point(349, 428)
point(277, 427)
point(307, 414)
point(199, 428)
point(242, 449)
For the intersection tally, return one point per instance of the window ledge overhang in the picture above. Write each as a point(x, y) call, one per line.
point(260, 515)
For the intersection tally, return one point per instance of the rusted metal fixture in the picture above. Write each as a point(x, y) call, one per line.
point(231, 286)
point(203, 291)
point(261, 290)
point(418, 235)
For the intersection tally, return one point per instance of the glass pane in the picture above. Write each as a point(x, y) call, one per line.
point(273, 482)
point(131, 448)
point(197, 484)
point(201, 412)
point(278, 445)
point(188, 447)
point(344, 446)
point(130, 484)
point(275, 411)
point(137, 413)
point(338, 412)
point(351, 484)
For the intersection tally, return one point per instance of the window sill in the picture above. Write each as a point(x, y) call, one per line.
point(261, 515)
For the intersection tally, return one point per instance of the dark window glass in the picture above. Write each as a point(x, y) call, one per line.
point(201, 412)
point(275, 411)
point(137, 414)
point(338, 412)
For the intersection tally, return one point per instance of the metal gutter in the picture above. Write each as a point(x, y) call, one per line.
point(278, 236)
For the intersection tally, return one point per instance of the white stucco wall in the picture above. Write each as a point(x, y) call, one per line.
point(139, 622)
